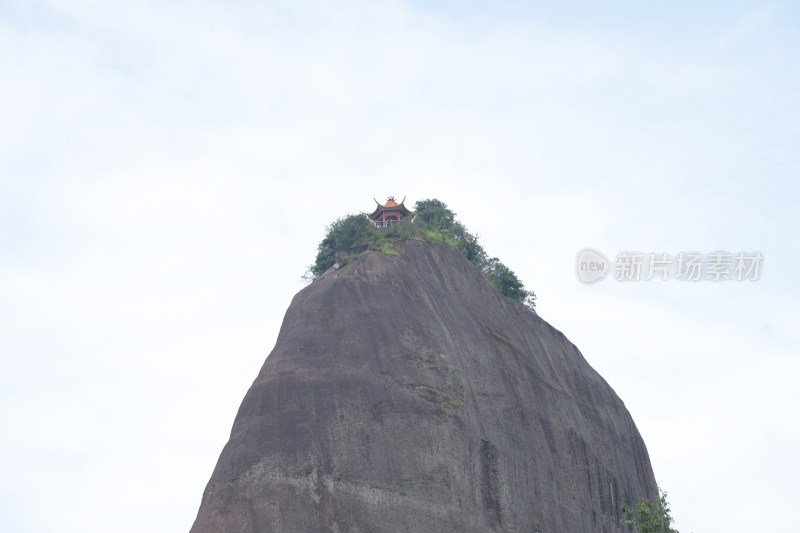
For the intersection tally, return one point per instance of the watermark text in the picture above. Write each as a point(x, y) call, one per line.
point(592, 266)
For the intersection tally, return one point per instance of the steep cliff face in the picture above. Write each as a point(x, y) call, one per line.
point(405, 394)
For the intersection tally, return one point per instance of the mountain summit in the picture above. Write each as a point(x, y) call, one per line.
point(406, 394)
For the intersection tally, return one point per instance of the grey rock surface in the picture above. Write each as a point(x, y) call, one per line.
point(405, 394)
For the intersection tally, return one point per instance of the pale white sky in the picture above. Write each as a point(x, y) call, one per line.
point(167, 170)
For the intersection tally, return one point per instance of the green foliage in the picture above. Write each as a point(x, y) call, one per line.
point(434, 214)
point(504, 279)
point(433, 221)
point(442, 226)
point(450, 404)
point(648, 516)
point(387, 248)
point(470, 246)
point(345, 232)
point(438, 236)
point(405, 229)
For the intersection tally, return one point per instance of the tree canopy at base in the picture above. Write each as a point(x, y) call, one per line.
point(649, 517)
point(431, 220)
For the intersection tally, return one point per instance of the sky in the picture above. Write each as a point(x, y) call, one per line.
point(167, 169)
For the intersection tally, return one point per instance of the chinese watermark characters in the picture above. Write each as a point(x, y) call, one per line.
point(592, 266)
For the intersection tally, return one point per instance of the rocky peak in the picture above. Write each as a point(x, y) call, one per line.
point(406, 394)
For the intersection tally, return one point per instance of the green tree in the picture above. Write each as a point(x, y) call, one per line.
point(344, 232)
point(649, 516)
point(507, 282)
point(434, 214)
point(470, 246)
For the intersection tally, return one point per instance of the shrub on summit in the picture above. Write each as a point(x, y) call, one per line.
point(431, 220)
point(350, 230)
